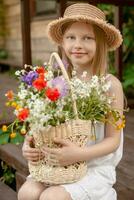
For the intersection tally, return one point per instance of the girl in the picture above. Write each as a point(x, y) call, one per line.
point(85, 37)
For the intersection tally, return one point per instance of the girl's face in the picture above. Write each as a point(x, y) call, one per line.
point(79, 44)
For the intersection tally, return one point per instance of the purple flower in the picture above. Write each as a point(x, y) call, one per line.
point(61, 84)
point(65, 63)
point(30, 77)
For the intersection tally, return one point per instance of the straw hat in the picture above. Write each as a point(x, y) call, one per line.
point(86, 13)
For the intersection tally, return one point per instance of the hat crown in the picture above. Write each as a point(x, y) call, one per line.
point(85, 10)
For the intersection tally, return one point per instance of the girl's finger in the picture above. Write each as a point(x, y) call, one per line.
point(29, 149)
point(34, 158)
point(33, 155)
point(50, 150)
point(63, 142)
point(33, 162)
point(54, 162)
point(32, 152)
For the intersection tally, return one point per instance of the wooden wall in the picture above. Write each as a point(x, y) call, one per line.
point(41, 47)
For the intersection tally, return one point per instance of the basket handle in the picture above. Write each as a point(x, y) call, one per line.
point(64, 72)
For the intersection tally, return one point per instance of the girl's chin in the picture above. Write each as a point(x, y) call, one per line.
point(81, 64)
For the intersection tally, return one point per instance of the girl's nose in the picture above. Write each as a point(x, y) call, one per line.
point(78, 44)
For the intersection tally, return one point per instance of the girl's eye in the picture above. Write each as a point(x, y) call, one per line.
point(88, 38)
point(70, 37)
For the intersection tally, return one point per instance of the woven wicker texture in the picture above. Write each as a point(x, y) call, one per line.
point(77, 131)
point(86, 13)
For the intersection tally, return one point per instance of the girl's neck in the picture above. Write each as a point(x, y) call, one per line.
point(79, 72)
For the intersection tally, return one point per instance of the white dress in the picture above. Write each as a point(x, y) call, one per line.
point(101, 175)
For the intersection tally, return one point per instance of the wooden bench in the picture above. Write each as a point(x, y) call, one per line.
point(6, 192)
point(12, 155)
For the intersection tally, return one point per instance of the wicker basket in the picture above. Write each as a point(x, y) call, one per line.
point(77, 131)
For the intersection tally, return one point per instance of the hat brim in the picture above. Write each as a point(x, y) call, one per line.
point(113, 35)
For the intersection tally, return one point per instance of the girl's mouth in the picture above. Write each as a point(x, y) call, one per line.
point(78, 54)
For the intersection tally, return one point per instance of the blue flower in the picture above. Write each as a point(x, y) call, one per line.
point(30, 77)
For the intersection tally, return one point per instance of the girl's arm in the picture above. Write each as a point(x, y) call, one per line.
point(112, 136)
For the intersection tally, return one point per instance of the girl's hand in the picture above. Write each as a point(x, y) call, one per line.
point(31, 154)
point(68, 154)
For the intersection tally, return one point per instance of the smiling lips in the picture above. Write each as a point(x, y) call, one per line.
point(78, 54)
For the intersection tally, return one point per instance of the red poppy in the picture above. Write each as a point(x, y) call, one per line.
point(40, 70)
point(39, 83)
point(23, 114)
point(42, 76)
point(52, 93)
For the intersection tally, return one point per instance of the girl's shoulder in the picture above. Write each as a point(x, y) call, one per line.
point(115, 82)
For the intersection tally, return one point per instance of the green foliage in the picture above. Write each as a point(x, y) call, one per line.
point(108, 10)
point(8, 174)
point(128, 80)
point(6, 137)
point(128, 46)
point(3, 54)
point(128, 51)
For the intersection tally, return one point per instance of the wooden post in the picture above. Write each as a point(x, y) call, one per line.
point(32, 8)
point(118, 53)
point(63, 5)
point(92, 2)
point(26, 37)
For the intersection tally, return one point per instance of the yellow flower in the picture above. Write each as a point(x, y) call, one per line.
point(23, 131)
point(123, 116)
point(18, 107)
point(118, 127)
point(4, 128)
point(124, 121)
point(14, 104)
point(7, 103)
point(12, 135)
point(123, 125)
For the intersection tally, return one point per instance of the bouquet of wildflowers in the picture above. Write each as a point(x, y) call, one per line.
point(49, 104)
point(44, 99)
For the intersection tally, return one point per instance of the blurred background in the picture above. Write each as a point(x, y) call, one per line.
point(23, 40)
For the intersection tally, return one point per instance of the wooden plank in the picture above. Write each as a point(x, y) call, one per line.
point(6, 192)
point(125, 180)
point(123, 193)
point(12, 155)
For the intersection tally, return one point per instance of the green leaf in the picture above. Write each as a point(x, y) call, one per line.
point(4, 138)
point(18, 139)
point(1, 132)
point(128, 82)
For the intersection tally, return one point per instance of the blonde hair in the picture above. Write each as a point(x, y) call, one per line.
point(99, 62)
